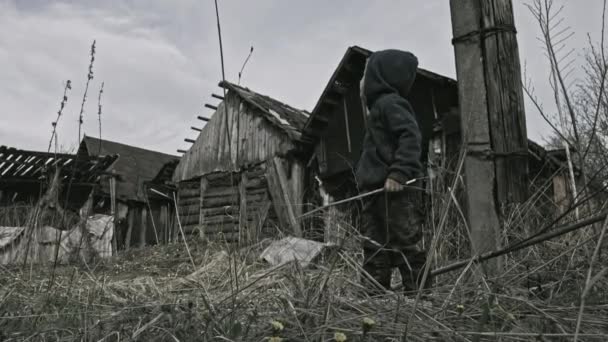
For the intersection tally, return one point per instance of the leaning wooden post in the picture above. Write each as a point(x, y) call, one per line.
point(114, 214)
point(492, 116)
point(144, 227)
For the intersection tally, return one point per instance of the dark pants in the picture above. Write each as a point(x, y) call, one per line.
point(392, 227)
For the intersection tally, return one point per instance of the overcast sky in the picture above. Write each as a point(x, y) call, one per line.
point(160, 59)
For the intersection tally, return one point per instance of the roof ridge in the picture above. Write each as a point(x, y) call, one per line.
point(266, 96)
point(128, 146)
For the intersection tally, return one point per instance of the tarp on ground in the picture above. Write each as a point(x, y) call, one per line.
point(293, 249)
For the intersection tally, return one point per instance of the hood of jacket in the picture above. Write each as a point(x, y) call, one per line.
point(388, 72)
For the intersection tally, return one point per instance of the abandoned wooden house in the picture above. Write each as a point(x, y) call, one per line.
point(143, 216)
point(43, 199)
point(334, 131)
point(243, 176)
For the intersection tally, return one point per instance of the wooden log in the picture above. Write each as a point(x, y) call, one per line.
point(221, 192)
point(202, 118)
point(189, 193)
point(229, 200)
point(219, 97)
point(258, 182)
point(221, 219)
point(230, 210)
point(215, 229)
point(181, 151)
point(196, 129)
point(189, 201)
point(210, 106)
point(192, 141)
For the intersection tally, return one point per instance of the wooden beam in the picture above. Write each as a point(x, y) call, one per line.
point(210, 106)
point(190, 140)
point(219, 97)
point(203, 118)
point(196, 129)
point(181, 151)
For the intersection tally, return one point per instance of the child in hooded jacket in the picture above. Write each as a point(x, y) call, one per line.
point(391, 157)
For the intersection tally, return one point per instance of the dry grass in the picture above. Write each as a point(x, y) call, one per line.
point(154, 294)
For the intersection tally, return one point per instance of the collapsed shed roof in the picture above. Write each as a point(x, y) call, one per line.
point(134, 166)
point(281, 115)
point(23, 166)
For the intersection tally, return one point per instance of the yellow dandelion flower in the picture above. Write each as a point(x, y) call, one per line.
point(339, 337)
point(277, 326)
point(368, 324)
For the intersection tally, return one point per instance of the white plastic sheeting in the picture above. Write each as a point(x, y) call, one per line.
point(292, 249)
point(40, 245)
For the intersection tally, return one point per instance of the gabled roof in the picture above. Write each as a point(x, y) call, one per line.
point(349, 70)
point(32, 166)
point(281, 115)
point(134, 166)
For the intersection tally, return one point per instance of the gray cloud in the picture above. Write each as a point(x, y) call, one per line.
point(160, 60)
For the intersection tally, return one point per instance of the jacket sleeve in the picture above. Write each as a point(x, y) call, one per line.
point(402, 125)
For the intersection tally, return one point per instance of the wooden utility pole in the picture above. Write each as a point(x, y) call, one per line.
point(492, 115)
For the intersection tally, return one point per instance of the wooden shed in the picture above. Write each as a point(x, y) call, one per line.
point(243, 177)
point(334, 132)
point(143, 216)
